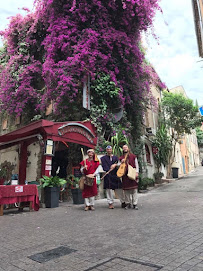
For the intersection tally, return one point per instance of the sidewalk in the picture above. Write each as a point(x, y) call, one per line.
point(164, 234)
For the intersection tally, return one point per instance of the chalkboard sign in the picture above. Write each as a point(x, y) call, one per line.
point(76, 172)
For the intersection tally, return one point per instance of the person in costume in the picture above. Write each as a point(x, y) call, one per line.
point(130, 187)
point(111, 181)
point(89, 166)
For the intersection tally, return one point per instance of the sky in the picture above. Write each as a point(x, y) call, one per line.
point(175, 54)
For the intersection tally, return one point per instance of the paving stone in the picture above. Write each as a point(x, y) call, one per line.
point(167, 231)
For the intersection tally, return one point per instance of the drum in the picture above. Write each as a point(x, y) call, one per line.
point(89, 180)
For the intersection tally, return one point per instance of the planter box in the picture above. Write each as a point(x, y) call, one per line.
point(77, 196)
point(51, 197)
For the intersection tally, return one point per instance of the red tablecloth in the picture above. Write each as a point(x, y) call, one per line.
point(10, 194)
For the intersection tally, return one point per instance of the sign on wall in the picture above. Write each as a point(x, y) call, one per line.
point(77, 128)
point(49, 147)
point(201, 110)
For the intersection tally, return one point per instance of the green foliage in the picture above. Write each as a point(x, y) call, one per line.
point(6, 169)
point(104, 90)
point(3, 56)
point(145, 182)
point(3, 172)
point(101, 145)
point(73, 181)
point(117, 141)
point(104, 100)
point(158, 176)
point(164, 144)
point(52, 181)
point(199, 134)
point(180, 112)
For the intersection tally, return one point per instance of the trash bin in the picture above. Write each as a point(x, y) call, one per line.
point(175, 172)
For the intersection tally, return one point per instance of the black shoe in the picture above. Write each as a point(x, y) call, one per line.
point(128, 206)
point(135, 207)
point(123, 205)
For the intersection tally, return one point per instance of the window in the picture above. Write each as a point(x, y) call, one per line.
point(17, 120)
point(148, 158)
point(49, 109)
point(5, 124)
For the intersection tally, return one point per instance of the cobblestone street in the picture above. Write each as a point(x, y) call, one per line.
point(166, 233)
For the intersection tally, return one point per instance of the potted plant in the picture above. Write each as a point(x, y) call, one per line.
point(3, 174)
point(6, 169)
point(51, 187)
point(117, 141)
point(75, 190)
point(145, 182)
point(158, 176)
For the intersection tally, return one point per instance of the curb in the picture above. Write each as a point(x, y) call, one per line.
point(166, 181)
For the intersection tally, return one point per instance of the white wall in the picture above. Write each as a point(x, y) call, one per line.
point(10, 155)
point(32, 165)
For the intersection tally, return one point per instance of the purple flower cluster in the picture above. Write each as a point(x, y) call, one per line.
point(52, 50)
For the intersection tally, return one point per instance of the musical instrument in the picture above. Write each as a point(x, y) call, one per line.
point(89, 179)
point(122, 169)
point(83, 156)
point(108, 171)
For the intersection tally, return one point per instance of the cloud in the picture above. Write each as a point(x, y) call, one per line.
point(174, 58)
point(12, 7)
point(175, 55)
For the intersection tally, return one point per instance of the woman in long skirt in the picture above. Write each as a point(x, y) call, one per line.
point(89, 166)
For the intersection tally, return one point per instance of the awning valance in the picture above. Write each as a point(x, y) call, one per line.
point(80, 132)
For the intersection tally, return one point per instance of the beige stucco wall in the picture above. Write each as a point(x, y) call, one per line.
point(151, 121)
point(32, 165)
point(178, 159)
point(179, 90)
point(152, 113)
point(189, 150)
point(193, 149)
point(11, 155)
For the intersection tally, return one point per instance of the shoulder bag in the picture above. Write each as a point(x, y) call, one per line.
point(82, 182)
point(131, 173)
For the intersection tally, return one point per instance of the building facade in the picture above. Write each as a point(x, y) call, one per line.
point(198, 21)
point(150, 129)
point(187, 150)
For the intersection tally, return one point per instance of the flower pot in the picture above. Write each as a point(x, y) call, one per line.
point(51, 196)
point(77, 196)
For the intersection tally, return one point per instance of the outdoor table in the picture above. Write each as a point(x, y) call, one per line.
point(10, 194)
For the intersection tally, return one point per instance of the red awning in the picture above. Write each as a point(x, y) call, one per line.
point(83, 133)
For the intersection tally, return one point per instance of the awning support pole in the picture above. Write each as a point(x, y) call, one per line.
point(23, 163)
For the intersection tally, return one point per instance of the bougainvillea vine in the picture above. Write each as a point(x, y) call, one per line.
point(48, 53)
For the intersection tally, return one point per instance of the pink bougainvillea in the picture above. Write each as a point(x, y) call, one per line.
point(48, 53)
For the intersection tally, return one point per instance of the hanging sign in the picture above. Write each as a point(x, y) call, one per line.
point(201, 110)
point(49, 148)
point(76, 128)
